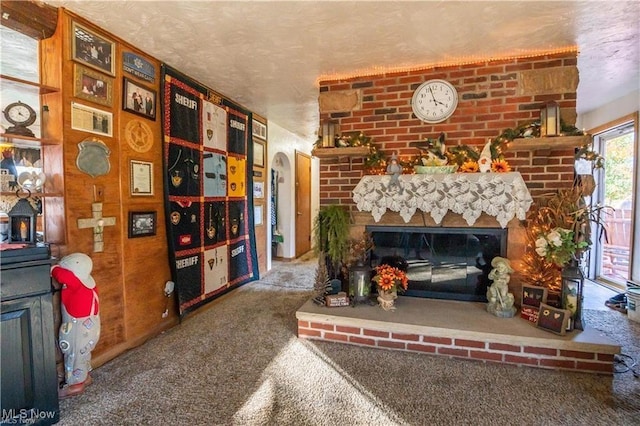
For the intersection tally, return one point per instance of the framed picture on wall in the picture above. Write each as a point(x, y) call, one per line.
point(258, 189)
point(258, 129)
point(258, 214)
point(141, 178)
point(91, 120)
point(92, 86)
point(259, 153)
point(142, 224)
point(138, 99)
point(91, 49)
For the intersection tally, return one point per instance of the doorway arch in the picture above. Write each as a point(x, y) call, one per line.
point(282, 200)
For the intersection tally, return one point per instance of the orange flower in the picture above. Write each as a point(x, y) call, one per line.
point(500, 166)
point(389, 278)
point(469, 167)
point(386, 282)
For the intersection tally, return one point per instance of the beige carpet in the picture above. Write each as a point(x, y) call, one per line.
point(238, 362)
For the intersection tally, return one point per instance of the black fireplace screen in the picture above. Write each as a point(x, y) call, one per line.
point(442, 263)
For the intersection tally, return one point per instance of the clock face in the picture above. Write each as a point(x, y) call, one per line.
point(434, 101)
point(20, 114)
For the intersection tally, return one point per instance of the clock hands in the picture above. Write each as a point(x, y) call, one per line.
point(432, 96)
point(435, 101)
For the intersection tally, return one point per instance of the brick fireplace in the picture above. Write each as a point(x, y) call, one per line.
point(493, 95)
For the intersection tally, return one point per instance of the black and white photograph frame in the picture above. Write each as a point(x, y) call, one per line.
point(142, 224)
point(259, 154)
point(138, 99)
point(259, 129)
point(92, 86)
point(91, 49)
point(92, 120)
point(141, 178)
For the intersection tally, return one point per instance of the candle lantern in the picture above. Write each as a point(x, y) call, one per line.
point(22, 221)
point(359, 283)
point(550, 119)
point(572, 285)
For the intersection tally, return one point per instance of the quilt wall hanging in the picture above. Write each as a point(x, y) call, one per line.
point(207, 173)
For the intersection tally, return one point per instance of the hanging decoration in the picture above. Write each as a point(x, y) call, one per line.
point(207, 185)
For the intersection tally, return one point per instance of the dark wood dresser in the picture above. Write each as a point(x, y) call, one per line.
point(28, 379)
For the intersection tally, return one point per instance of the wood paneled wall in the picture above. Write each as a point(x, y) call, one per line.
point(131, 272)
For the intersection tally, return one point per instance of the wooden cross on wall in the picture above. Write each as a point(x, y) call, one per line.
point(97, 222)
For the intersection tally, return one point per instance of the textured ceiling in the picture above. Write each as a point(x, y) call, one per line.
point(268, 55)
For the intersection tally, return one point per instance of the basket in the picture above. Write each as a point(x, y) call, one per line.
point(427, 170)
point(633, 304)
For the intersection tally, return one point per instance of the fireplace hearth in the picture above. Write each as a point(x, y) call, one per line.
point(442, 263)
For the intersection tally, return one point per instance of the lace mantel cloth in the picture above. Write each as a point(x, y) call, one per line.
point(501, 195)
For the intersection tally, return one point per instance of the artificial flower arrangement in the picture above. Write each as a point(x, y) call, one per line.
point(558, 231)
point(389, 278)
point(559, 245)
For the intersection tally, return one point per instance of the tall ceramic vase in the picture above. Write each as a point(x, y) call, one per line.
point(387, 299)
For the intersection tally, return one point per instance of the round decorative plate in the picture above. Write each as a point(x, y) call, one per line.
point(138, 135)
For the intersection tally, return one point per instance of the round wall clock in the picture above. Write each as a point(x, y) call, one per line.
point(21, 116)
point(138, 135)
point(434, 101)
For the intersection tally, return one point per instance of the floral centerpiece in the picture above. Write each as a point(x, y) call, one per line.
point(558, 246)
point(390, 280)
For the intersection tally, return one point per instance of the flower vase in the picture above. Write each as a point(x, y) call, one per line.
point(387, 299)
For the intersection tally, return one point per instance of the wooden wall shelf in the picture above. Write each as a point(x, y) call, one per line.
point(41, 88)
point(558, 142)
point(350, 151)
point(27, 141)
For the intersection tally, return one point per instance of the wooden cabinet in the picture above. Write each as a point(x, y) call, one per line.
point(29, 386)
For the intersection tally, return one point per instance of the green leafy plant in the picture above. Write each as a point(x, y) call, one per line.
point(331, 236)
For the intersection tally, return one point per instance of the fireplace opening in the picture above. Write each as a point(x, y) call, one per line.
point(442, 263)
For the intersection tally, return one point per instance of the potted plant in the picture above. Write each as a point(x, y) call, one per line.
point(331, 238)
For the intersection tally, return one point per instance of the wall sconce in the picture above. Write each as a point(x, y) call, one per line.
point(22, 222)
point(550, 119)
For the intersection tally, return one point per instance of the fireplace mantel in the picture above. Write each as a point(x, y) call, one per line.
point(501, 195)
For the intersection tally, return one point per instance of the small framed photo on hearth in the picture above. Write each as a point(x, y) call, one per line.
point(142, 224)
point(552, 319)
point(533, 295)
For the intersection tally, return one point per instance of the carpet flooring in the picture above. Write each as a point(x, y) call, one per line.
point(238, 361)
